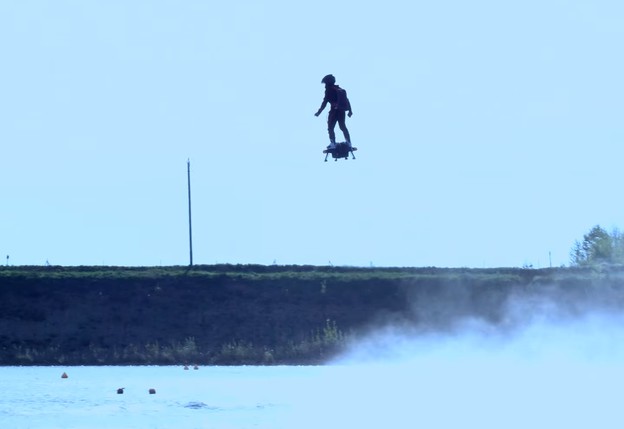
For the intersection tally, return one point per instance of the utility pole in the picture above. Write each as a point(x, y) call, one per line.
point(188, 174)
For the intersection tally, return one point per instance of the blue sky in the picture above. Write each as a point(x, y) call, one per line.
point(489, 133)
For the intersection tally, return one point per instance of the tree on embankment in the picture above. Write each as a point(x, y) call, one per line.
point(598, 247)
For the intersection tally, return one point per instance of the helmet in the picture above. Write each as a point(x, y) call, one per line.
point(329, 80)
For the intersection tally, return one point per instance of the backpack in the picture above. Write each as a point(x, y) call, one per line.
point(342, 101)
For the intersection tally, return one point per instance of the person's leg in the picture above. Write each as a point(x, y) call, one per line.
point(343, 126)
point(331, 124)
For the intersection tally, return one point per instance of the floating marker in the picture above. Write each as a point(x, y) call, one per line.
point(152, 391)
point(64, 375)
point(185, 368)
point(195, 367)
point(120, 390)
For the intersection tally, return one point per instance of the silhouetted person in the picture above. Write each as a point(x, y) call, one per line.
point(339, 105)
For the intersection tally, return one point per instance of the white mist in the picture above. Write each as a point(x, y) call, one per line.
point(546, 365)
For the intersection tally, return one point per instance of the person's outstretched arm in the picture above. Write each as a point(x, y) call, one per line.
point(322, 107)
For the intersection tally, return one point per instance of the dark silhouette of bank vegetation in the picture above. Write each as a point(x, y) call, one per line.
point(254, 314)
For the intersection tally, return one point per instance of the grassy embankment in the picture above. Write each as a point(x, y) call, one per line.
point(245, 314)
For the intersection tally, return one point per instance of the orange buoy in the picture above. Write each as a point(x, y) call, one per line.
point(152, 391)
point(64, 375)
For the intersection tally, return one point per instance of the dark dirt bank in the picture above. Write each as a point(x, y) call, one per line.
point(251, 314)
